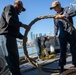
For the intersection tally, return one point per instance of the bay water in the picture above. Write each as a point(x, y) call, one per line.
point(31, 51)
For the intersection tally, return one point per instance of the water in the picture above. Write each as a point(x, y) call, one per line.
point(31, 51)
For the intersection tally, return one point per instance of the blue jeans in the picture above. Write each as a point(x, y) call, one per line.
point(10, 51)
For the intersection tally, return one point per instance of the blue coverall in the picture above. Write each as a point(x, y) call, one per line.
point(66, 35)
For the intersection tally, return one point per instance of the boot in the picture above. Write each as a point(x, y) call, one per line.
point(75, 66)
point(61, 69)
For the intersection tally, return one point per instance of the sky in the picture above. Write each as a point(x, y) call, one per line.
point(34, 9)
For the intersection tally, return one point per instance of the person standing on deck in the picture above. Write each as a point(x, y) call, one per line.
point(9, 31)
point(66, 35)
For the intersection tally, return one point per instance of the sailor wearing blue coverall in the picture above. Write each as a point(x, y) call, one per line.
point(66, 35)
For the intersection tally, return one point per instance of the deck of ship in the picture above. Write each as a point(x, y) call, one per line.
point(28, 69)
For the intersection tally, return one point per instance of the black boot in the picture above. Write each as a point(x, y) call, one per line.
point(75, 66)
point(61, 69)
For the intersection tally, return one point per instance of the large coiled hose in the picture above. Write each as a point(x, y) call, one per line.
point(32, 61)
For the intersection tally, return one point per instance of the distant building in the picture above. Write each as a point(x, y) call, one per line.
point(44, 35)
point(40, 34)
point(20, 44)
point(32, 35)
point(36, 35)
point(49, 34)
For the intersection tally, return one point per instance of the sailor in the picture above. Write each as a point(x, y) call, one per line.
point(9, 31)
point(66, 34)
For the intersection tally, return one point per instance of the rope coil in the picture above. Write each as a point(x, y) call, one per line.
point(33, 62)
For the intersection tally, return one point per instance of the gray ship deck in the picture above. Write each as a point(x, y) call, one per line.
point(28, 69)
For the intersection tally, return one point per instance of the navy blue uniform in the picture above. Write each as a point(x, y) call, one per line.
point(66, 35)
